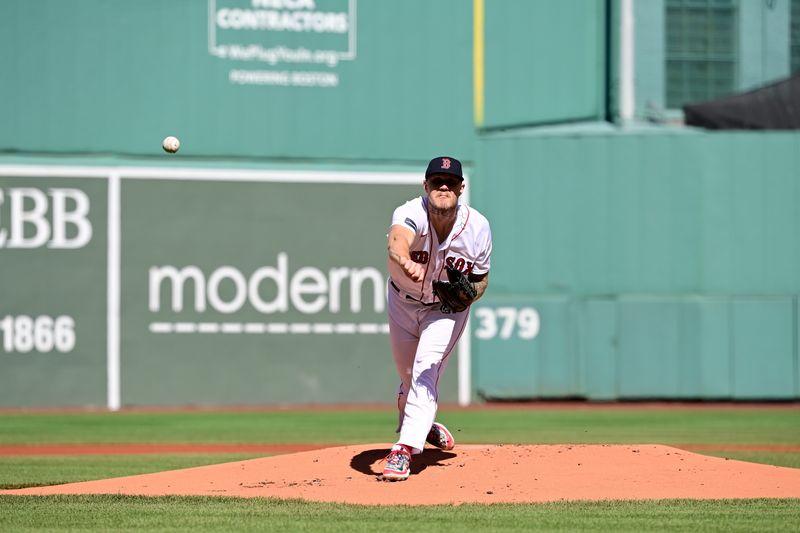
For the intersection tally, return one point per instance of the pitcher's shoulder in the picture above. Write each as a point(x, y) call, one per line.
point(414, 205)
point(478, 218)
point(414, 208)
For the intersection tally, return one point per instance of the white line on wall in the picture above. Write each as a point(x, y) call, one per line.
point(113, 283)
point(279, 328)
point(334, 177)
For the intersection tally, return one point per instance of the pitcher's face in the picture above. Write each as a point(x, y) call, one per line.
point(443, 191)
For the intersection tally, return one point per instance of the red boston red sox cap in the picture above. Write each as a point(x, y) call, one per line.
point(444, 165)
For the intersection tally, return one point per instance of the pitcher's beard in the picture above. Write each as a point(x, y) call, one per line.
point(442, 211)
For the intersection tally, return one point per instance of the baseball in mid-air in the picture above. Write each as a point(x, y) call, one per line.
point(170, 144)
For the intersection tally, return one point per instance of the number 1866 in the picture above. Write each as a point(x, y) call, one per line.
point(42, 333)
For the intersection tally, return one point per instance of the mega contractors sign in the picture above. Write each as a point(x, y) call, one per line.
point(282, 15)
point(295, 35)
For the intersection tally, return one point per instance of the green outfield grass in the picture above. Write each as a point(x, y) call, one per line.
point(749, 426)
point(551, 425)
point(18, 472)
point(118, 513)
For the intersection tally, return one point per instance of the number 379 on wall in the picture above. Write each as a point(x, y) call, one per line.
point(506, 322)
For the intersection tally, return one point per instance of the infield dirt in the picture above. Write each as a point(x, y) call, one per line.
point(470, 473)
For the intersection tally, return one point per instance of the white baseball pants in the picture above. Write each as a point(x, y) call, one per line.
point(422, 339)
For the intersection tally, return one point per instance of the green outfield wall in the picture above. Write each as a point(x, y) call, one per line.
point(53, 253)
point(282, 299)
point(125, 286)
point(563, 43)
point(631, 261)
point(315, 79)
point(651, 264)
point(627, 264)
point(310, 79)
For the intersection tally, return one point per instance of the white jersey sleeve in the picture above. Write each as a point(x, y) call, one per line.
point(412, 215)
point(483, 244)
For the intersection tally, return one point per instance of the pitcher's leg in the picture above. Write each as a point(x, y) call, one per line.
point(437, 341)
point(404, 338)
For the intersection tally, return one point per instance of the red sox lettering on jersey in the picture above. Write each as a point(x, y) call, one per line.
point(459, 263)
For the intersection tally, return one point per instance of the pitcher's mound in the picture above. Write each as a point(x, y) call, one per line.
point(470, 473)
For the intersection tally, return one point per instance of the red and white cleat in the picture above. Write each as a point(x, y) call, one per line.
point(440, 437)
point(398, 466)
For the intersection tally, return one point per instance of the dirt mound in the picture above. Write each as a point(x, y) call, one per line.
point(470, 473)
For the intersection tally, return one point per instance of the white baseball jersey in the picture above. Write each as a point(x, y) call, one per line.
point(468, 247)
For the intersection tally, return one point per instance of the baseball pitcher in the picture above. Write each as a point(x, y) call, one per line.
point(439, 258)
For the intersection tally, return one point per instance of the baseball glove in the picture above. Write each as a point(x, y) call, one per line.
point(455, 294)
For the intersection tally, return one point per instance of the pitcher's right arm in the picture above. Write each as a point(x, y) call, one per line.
point(399, 245)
